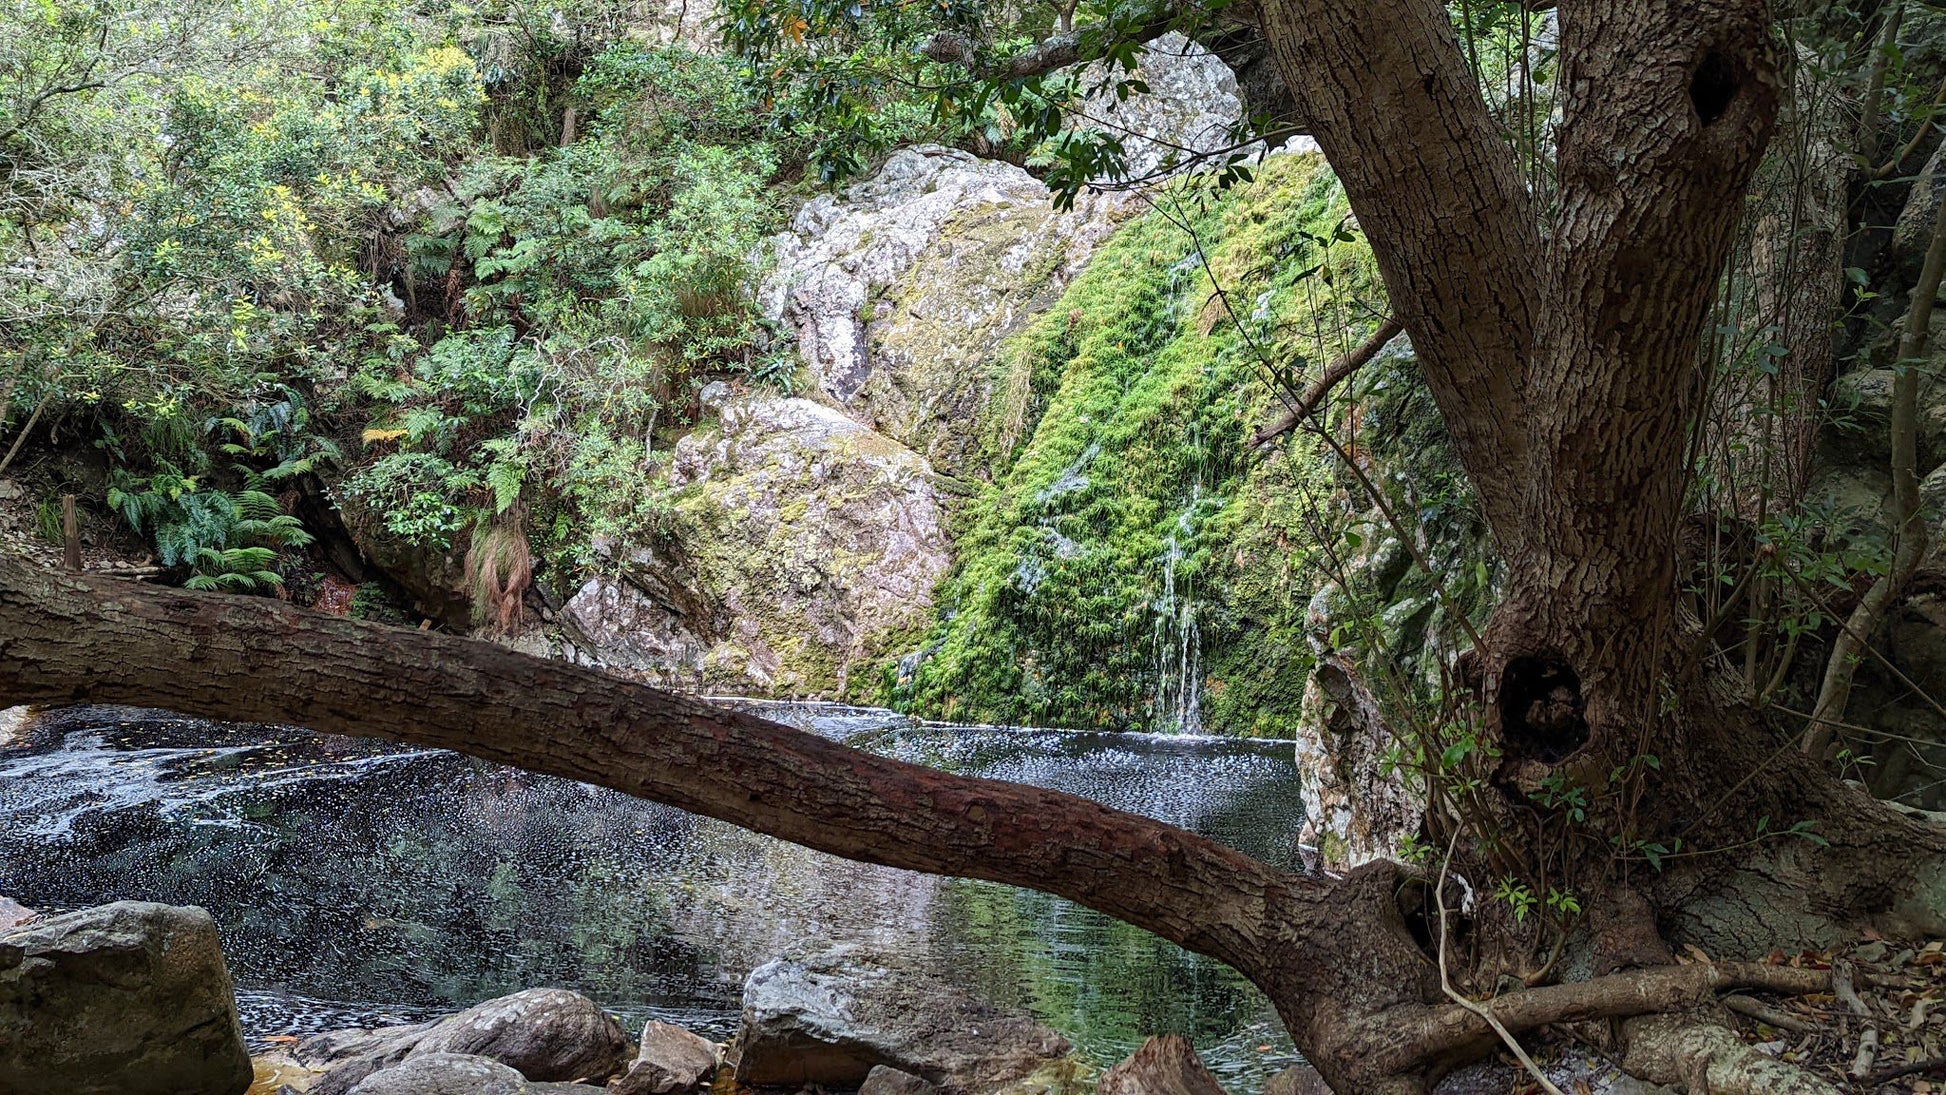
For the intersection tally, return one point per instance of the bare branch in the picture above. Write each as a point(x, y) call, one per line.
point(1057, 52)
point(1334, 374)
point(76, 639)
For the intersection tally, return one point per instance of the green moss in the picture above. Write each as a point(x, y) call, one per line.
point(1127, 541)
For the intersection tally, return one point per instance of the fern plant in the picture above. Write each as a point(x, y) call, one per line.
point(275, 430)
point(228, 540)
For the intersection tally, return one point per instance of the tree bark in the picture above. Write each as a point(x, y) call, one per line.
point(1439, 196)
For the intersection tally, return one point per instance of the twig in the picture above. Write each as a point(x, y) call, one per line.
point(1333, 373)
point(1767, 1015)
point(1893, 1072)
point(1841, 987)
point(1446, 981)
point(25, 429)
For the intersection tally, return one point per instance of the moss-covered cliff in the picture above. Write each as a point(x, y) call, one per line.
point(1131, 564)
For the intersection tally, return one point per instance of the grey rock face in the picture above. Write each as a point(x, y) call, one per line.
point(1165, 1065)
point(890, 1081)
point(671, 1060)
point(897, 287)
point(799, 539)
point(125, 999)
point(842, 250)
point(544, 1034)
point(1192, 103)
point(831, 1017)
point(444, 1074)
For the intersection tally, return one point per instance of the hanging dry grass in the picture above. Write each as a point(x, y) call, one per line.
point(499, 568)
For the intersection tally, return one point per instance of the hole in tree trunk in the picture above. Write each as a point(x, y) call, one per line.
point(1541, 713)
point(1712, 87)
point(1420, 908)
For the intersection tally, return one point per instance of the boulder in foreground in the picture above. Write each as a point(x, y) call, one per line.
point(443, 1074)
point(672, 1061)
point(544, 1034)
point(1165, 1065)
point(830, 1018)
point(125, 999)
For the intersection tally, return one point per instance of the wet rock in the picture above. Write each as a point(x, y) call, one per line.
point(545, 1034)
point(1297, 1080)
point(671, 1060)
point(444, 1074)
point(125, 999)
point(830, 1018)
point(1164, 1065)
point(882, 1080)
point(13, 913)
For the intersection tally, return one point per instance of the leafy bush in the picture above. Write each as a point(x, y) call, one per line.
point(228, 541)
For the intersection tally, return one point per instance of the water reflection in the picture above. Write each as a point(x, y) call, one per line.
point(358, 881)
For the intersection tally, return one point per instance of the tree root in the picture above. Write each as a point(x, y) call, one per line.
point(1652, 991)
point(1707, 1057)
point(1767, 1015)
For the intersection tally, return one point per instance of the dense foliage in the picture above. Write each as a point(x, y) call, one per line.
point(1132, 563)
point(466, 259)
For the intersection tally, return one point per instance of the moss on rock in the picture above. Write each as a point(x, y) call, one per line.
point(1131, 565)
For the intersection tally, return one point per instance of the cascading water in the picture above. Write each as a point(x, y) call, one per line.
point(1178, 641)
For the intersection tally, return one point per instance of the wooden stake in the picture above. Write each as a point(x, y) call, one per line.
point(70, 534)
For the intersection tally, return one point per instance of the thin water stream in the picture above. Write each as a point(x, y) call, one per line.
point(358, 882)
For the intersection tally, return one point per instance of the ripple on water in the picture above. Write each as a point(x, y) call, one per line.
point(359, 882)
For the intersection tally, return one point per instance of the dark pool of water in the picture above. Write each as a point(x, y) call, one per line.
point(358, 882)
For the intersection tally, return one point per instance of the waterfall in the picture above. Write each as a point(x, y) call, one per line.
point(1178, 641)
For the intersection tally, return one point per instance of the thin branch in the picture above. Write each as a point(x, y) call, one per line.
point(1769, 1016)
point(1887, 1075)
point(1908, 524)
point(1333, 374)
point(1446, 981)
point(1899, 157)
point(950, 47)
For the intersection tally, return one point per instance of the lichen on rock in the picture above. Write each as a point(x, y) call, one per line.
point(800, 540)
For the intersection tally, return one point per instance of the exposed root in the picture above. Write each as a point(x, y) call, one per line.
point(1656, 990)
point(1769, 1016)
point(1704, 1056)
